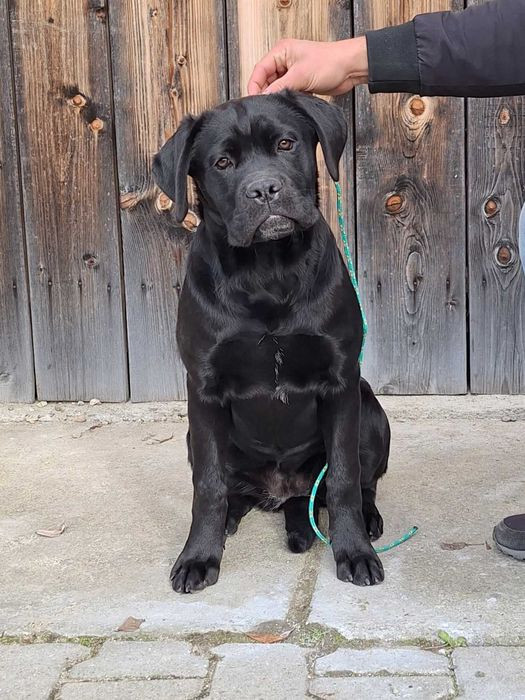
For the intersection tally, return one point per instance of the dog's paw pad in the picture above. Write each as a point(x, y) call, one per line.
point(360, 569)
point(299, 542)
point(191, 575)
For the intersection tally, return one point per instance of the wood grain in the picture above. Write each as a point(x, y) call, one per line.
point(253, 28)
point(16, 351)
point(411, 228)
point(168, 60)
point(65, 125)
point(496, 163)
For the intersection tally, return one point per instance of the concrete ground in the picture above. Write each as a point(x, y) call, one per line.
point(116, 476)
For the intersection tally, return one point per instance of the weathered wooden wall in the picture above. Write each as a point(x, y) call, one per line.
point(92, 262)
point(411, 220)
point(65, 124)
point(16, 352)
point(496, 163)
point(496, 191)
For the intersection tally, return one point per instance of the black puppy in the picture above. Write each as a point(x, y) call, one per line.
point(269, 330)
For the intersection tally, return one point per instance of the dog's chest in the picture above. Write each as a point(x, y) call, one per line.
point(250, 364)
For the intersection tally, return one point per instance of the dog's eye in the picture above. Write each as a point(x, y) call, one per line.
point(285, 145)
point(223, 163)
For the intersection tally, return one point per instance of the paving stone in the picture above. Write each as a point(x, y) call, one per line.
point(402, 660)
point(491, 672)
point(183, 689)
point(259, 672)
point(142, 660)
point(455, 479)
point(30, 671)
point(380, 688)
point(127, 509)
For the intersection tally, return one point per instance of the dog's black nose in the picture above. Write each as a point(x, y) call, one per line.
point(263, 190)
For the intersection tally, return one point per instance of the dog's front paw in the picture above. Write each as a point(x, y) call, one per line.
point(192, 574)
point(361, 568)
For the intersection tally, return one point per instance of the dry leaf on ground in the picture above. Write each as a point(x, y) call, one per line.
point(87, 430)
point(153, 440)
point(130, 624)
point(268, 638)
point(460, 545)
point(54, 532)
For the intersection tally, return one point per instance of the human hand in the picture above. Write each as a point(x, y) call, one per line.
point(323, 67)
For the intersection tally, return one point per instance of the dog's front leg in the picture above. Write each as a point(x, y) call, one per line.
point(355, 558)
point(199, 562)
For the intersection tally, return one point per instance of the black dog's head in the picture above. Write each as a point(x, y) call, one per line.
point(254, 164)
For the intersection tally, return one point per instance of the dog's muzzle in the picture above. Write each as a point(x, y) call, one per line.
point(275, 227)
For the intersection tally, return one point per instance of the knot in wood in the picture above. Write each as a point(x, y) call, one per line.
point(96, 125)
point(394, 203)
point(504, 116)
point(491, 207)
point(128, 200)
point(191, 221)
point(163, 202)
point(504, 255)
point(78, 101)
point(90, 261)
point(417, 106)
point(182, 60)
point(100, 14)
point(153, 12)
point(283, 4)
point(414, 270)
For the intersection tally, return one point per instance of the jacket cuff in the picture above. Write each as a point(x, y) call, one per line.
point(392, 59)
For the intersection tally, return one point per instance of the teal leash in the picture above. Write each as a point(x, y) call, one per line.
point(353, 278)
point(350, 264)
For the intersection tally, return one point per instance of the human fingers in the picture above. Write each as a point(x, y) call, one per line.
point(265, 72)
point(294, 79)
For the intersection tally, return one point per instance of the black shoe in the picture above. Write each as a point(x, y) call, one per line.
point(509, 536)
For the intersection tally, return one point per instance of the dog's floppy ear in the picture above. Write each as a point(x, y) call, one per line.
point(171, 166)
point(330, 126)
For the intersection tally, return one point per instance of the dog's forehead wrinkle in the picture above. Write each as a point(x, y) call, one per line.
point(250, 120)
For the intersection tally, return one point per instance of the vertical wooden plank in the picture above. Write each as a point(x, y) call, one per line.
point(168, 60)
point(411, 227)
point(254, 27)
point(16, 352)
point(65, 126)
point(496, 192)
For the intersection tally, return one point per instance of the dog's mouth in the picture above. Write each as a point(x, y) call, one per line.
point(274, 227)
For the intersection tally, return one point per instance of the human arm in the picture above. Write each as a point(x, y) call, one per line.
point(479, 52)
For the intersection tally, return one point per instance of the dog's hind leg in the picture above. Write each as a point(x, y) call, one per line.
point(300, 534)
point(370, 474)
point(238, 507)
point(373, 519)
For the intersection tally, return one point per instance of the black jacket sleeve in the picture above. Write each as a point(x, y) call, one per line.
point(479, 52)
